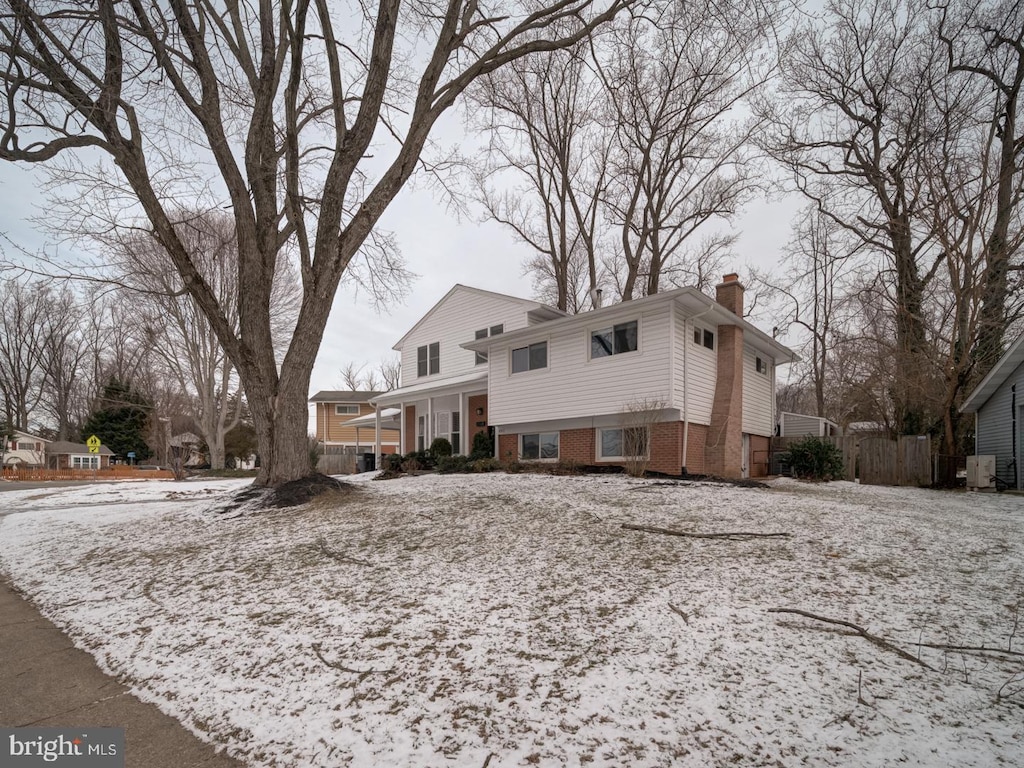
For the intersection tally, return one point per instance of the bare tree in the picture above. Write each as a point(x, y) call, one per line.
point(313, 118)
point(543, 115)
point(390, 370)
point(678, 160)
point(179, 334)
point(851, 125)
point(67, 392)
point(984, 41)
point(26, 309)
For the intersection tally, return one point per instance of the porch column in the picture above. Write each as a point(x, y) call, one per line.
point(463, 432)
point(401, 428)
point(376, 437)
point(428, 430)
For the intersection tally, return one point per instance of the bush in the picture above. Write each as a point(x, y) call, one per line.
point(814, 459)
point(440, 447)
point(392, 462)
point(448, 464)
point(489, 464)
point(483, 446)
point(415, 461)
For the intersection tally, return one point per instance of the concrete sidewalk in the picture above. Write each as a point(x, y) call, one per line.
point(46, 681)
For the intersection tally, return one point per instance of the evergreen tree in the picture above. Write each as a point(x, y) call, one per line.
point(120, 420)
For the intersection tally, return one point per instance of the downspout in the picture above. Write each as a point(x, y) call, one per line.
point(686, 388)
point(1013, 430)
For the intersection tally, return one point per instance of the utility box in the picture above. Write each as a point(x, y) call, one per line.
point(981, 473)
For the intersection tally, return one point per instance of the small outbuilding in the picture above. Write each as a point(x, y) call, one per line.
point(998, 407)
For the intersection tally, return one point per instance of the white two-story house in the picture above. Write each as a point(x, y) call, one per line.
point(676, 377)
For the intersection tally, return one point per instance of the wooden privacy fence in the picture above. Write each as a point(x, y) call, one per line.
point(338, 463)
point(888, 462)
point(113, 473)
point(881, 461)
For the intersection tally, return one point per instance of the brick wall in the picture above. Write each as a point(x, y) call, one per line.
point(666, 449)
point(723, 451)
point(508, 447)
point(410, 429)
point(697, 436)
point(472, 403)
point(577, 445)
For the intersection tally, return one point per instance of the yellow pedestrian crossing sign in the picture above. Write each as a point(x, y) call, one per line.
point(94, 444)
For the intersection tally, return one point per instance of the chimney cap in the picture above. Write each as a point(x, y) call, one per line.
point(731, 277)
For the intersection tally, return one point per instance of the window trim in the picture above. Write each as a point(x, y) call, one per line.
point(339, 412)
point(598, 443)
point(540, 443)
point(704, 334)
point(611, 329)
point(513, 350)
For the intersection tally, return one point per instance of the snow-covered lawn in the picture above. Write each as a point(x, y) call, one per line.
point(509, 620)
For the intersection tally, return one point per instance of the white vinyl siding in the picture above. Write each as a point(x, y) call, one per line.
point(758, 416)
point(703, 368)
point(995, 425)
point(796, 424)
point(455, 321)
point(573, 385)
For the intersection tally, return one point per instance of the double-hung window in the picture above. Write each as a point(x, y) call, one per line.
point(704, 337)
point(614, 341)
point(428, 359)
point(530, 358)
point(761, 366)
point(543, 445)
point(483, 333)
point(622, 443)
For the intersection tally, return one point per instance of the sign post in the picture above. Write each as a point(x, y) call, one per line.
point(93, 444)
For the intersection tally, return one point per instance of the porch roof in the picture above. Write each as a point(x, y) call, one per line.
point(388, 419)
point(451, 385)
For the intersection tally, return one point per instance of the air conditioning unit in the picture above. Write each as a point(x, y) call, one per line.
point(981, 472)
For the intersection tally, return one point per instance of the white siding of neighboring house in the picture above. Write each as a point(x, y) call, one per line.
point(758, 397)
point(574, 386)
point(703, 365)
point(995, 425)
point(454, 322)
point(798, 425)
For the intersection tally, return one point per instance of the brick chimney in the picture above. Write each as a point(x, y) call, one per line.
point(729, 293)
point(723, 448)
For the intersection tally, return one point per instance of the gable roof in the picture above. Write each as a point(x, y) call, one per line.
point(343, 396)
point(1007, 364)
point(63, 446)
point(689, 298)
point(535, 309)
point(23, 433)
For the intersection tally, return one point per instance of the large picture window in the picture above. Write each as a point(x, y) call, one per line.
point(85, 462)
point(614, 341)
point(530, 358)
point(622, 443)
point(542, 445)
point(428, 359)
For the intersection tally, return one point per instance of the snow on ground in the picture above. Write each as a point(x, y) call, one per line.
point(443, 620)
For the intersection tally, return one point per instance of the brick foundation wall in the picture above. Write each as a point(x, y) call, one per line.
point(577, 445)
point(508, 447)
point(697, 436)
point(759, 447)
point(666, 448)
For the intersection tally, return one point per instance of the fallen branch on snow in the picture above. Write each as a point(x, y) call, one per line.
point(880, 642)
point(337, 665)
point(323, 548)
point(729, 536)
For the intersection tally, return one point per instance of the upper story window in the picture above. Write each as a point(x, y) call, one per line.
point(346, 410)
point(704, 337)
point(483, 333)
point(761, 366)
point(23, 446)
point(530, 358)
point(428, 359)
point(614, 341)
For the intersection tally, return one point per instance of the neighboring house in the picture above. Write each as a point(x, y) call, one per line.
point(801, 424)
point(998, 407)
point(677, 376)
point(65, 455)
point(188, 447)
point(25, 450)
point(334, 409)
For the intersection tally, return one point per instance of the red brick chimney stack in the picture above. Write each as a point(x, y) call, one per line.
point(729, 293)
